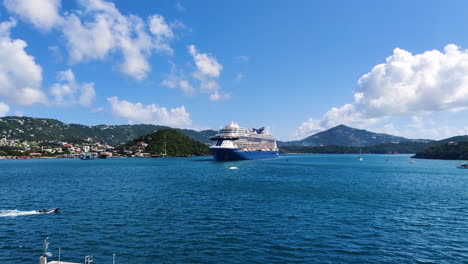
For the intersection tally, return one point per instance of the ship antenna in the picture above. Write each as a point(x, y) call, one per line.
point(45, 245)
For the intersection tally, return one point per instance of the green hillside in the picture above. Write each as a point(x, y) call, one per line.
point(177, 144)
point(445, 151)
point(44, 129)
point(347, 136)
point(404, 147)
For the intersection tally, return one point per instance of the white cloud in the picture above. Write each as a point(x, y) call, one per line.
point(4, 109)
point(311, 126)
point(388, 129)
point(207, 72)
point(137, 113)
point(20, 76)
point(406, 85)
point(89, 41)
point(426, 127)
point(99, 29)
point(206, 64)
point(102, 30)
point(70, 92)
point(41, 13)
point(215, 96)
point(160, 28)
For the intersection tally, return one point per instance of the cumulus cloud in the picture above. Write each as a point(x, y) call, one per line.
point(311, 126)
point(102, 30)
point(426, 127)
point(405, 85)
point(4, 109)
point(99, 29)
point(41, 13)
point(206, 64)
point(207, 72)
point(160, 28)
point(20, 76)
point(137, 113)
point(69, 92)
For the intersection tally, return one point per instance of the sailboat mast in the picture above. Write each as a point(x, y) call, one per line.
point(165, 146)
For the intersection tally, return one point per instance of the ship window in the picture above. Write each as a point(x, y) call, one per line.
point(219, 143)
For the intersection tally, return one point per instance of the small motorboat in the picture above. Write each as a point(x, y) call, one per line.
point(87, 156)
point(48, 210)
point(463, 166)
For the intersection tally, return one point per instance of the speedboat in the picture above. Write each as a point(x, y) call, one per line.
point(463, 166)
point(87, 156)
point(47, 211)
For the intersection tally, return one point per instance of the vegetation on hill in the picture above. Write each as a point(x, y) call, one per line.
point(347, 136)
point(43, 129)
point(177, 144)
point(405, 147)
point(445, 151)
point(10, 151)
point(332, 149)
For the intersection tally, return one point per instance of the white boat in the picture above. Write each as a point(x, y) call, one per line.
point(463, 166)
point(48, 210)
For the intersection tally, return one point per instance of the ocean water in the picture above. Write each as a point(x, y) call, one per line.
point(295, 209)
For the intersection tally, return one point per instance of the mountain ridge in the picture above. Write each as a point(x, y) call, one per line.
point(48, 129)
point(342, 135)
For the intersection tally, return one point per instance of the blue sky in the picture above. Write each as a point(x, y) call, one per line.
point(298, 67)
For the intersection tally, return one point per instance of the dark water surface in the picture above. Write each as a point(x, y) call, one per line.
point(295, 209)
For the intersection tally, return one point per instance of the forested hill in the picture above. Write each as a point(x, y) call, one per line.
point(172, 140)
point(458, 151)
point(44, 129)
point(404, 147)
point(347, 136)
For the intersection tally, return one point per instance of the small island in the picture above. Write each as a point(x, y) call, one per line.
point(162, 143)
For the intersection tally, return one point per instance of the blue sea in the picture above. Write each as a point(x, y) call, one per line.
point(294, 209)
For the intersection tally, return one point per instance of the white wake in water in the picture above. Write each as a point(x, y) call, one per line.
point(13, 213)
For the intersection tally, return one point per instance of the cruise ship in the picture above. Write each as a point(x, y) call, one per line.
point(236, 143)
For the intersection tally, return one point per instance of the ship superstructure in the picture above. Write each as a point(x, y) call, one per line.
point(236, 143)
